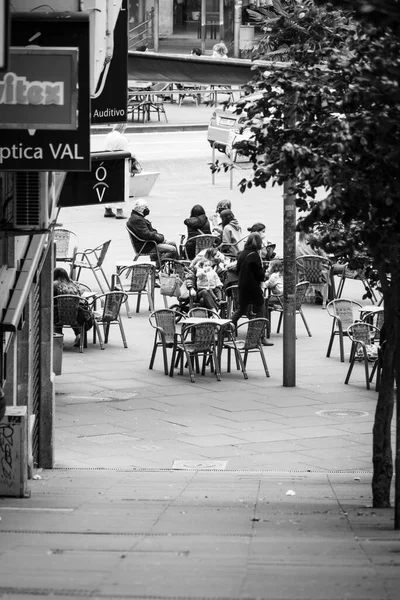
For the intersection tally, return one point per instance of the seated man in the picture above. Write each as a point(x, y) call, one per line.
point(142, 227)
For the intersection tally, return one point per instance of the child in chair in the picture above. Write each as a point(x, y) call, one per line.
point(274, 281)
point(207, 279)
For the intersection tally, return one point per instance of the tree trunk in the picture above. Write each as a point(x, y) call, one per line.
point(382, 446)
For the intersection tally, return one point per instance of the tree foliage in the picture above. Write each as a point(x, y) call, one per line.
point(341, 82)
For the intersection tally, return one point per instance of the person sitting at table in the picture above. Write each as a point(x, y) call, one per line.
point(196, 224)
point(63, 285)
point(215, 219)
point(231, 234)
point(143, 228)
point(207, 279)
point(274, 284)
point(203, 296)
point(268, 249)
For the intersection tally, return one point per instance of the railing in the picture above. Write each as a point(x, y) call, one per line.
point(142, 34)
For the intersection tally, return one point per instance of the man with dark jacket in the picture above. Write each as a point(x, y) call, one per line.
point(143, 228)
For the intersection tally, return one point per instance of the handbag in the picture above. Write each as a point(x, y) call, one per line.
point(170, 285)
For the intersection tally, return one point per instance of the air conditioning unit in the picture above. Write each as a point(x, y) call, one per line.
point(33, 199)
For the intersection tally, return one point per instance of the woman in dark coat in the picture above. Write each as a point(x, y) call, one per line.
point(251, 275)
point(196, 224)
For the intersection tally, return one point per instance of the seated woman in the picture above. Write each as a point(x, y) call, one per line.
point(215, 219)
point(196, 224)
point(63, 285)
point(268, 248)
point(231, 234)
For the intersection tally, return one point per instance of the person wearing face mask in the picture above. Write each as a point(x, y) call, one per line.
point(143, 228)
point(268, 248)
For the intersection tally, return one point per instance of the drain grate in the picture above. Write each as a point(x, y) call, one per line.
point(342, 414)
point(216, 465)
point(114, 395)
point(108, 438)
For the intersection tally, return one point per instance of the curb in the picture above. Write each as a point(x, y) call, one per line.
point(152, 128)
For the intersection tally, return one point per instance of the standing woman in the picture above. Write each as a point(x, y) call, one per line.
point(196, 224)
point(251, 275)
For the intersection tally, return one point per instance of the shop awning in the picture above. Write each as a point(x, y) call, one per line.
point(180, 68)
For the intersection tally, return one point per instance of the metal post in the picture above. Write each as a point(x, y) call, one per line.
point(236, 30)
point(289, 274)
point(203, 26)
point(221, 21)
point(156, 25)
point(397, 466)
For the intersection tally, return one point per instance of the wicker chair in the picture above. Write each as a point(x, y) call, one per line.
point(315, 270)
point(256, 330)
point(301, 291)
point(232, 298)
point(66, 307)
point(164, 322)
point(92, 259)
point(66, 242)
point(144, 247)
point(361, 335)
point(139, 278)
point(194, 341)
point(197, 243)
point(109, 315)
point(231, 249)
point(202, 312)
point(344, 312)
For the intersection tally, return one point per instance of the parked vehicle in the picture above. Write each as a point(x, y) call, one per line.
point(224, 120)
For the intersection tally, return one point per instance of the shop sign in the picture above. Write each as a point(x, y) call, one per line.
point(40, 89)
point(58, 148)
point(4, 28)
point(104, 184)
point(109, 104)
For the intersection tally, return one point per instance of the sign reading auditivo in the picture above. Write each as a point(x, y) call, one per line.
point(45, 95)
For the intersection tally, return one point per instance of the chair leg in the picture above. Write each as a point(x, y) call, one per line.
point(240, 363)
point(190, 366)
point(121, 328)
point(138, 302)
point(333, 333)
point(279, 322)
point(305, 322)
point(128, 310)
point(97, 326)
point(341, 344)
point(173, 358)
point(264, 361)
point(216, 364)
point(366, 367)
point(98, 281)
point(153, 355)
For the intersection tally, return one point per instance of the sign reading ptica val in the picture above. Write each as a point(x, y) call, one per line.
point(40, 90)
point(45, 94)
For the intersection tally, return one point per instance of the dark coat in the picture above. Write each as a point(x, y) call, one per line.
point(141, 227)
point(251, 275)
point(194, 224)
